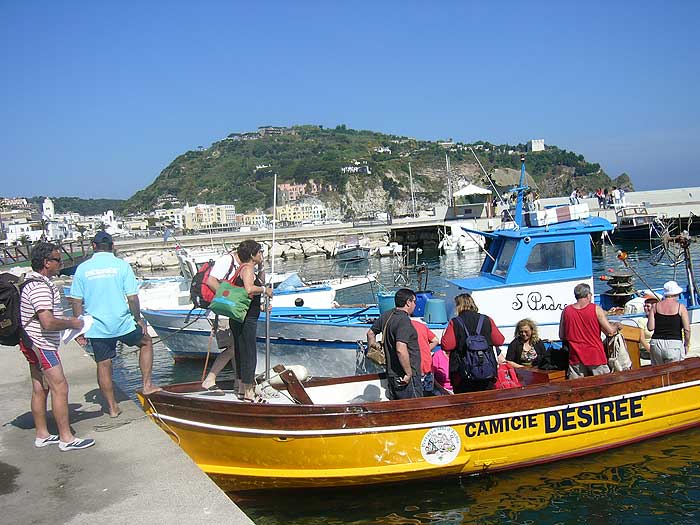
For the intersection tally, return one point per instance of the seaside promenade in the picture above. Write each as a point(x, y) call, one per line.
point(134, 474)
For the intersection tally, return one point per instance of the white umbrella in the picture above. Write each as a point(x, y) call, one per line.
point(471, 189)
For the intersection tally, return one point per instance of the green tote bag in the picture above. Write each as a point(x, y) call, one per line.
point(231, 301)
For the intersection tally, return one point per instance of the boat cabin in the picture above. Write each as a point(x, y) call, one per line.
point(531, 272)
point(633, 216)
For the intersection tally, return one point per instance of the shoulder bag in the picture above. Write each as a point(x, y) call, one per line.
point(376, 352)
point(230, 300)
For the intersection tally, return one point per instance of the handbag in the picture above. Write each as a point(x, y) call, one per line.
point(375, 352)
point(618, 356)
point(506, 377)
point(230, 300)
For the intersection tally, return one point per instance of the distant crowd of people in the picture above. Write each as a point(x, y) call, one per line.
point(614, 198)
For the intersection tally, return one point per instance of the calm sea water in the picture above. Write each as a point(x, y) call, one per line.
point(653, 482)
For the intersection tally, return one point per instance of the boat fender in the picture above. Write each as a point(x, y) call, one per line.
point(300, 371)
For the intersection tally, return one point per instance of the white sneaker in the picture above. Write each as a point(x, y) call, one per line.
point(76, 444)
point(45, 442)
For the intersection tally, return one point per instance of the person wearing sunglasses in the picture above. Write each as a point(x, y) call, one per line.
point(42, 321)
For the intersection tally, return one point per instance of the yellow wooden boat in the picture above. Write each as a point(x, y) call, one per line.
point(338, 432)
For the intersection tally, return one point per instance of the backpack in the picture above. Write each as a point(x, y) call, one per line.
point(200, 293)
point(476, 359)
point(10, 323)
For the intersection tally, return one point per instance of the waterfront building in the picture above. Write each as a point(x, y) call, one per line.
point(256, 218)
point(18, 230)
point(209, 216)
point(310, 209)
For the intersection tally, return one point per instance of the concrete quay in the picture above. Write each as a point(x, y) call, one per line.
point(133, 474)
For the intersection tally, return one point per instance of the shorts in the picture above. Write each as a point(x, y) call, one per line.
point(44, 359)
point(581, 370)
point(104, 348)
point(666, 351)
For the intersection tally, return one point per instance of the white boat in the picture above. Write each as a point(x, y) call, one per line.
point(454, 237)
point(391, 249)
point(352, 249)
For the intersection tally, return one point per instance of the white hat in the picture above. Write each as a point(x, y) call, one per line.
point(672, 288)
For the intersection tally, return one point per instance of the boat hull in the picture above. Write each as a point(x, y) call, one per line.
point(256, 446)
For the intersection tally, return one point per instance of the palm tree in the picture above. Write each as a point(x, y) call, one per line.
point(81, 230)
point(45, 228)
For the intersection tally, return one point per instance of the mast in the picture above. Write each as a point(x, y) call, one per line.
point(520, 189)
point(413, 198)
point(449, 182)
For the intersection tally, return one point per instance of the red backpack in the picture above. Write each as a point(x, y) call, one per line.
point(506, 377)
point(200, 293)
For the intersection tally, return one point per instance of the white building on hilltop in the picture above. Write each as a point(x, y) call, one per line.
point(535, 145)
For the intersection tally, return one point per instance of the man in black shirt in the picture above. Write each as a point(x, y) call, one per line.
point(400, 347)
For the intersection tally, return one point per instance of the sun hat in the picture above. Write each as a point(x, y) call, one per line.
point(672, 288)
point(102, 237)
point(650, 298)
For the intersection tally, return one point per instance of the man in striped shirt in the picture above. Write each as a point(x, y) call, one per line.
point(42, 321)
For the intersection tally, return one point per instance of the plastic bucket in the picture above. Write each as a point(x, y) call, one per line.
point(421, 299)
point(435, 311)
point(385, 301)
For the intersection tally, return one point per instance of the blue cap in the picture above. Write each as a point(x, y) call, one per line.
point(102, 237)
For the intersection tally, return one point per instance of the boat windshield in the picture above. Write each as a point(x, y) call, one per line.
point(505, 257)
point(551, 256)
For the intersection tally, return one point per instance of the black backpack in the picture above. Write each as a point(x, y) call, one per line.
point(10, 323)
point(476, 359)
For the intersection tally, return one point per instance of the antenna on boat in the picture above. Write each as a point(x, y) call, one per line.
point(521, 190)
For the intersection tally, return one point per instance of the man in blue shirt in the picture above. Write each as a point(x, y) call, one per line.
point(106, 288)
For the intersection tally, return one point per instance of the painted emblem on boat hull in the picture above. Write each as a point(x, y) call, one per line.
point(440, 445)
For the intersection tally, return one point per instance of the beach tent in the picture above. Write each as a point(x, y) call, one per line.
point(471, 189)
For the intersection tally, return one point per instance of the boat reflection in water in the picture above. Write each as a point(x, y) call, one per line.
point(650, 482)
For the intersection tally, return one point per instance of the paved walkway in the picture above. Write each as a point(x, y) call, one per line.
point(133, 474)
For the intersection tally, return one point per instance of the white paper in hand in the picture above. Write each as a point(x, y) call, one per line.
point(72, 333)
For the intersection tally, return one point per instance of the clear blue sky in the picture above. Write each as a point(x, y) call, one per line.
point(99, 97)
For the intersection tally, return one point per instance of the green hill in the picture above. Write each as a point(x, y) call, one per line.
point(240, 169)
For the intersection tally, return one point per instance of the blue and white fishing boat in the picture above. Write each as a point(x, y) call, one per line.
point(529, 271)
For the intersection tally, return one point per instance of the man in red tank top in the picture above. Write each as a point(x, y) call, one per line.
point(580, 327)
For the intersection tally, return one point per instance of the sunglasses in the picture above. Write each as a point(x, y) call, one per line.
point(55, 259)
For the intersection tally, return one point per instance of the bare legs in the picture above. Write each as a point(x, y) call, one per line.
point(219, 363)
point(39, 394)
point(59, 402)
point(146, 364)
point(104, 380)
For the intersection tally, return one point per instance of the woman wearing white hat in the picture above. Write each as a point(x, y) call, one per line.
point(668, 319)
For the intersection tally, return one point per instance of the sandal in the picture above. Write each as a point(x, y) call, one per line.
point(214, 390)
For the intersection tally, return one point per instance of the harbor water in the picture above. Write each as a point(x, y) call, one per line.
point(657, 481)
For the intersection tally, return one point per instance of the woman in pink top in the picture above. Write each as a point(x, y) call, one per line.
point(441, 369)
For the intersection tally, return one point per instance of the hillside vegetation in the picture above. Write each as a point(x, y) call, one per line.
point(241, 171)
point(81, 206)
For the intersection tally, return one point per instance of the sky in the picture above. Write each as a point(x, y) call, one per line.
point(99, 97)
